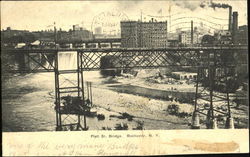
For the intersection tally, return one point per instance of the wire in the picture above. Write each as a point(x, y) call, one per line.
point(180, 13)
point(217, 18)
point(197, 18)
point(195, 23)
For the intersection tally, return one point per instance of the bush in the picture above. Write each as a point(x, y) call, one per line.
point(107, 62)
point(100, 117)
point(121, 126)
point(140, 125)
point(183, 114)
point(173, 109)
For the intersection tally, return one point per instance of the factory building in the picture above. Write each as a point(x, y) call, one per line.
point(150, 34)
point(77, 34)
point(184, 75)
point(186, 38)
point(242, 35)
point(235, 35)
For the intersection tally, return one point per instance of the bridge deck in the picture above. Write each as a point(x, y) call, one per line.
point(54, 50)
point(38, 60)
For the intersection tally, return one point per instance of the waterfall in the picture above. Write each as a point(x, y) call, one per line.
point(67, 60)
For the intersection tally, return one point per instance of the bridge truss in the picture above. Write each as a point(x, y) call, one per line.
point(215, 66)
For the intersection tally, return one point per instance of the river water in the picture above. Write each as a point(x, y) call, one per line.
point(28, 100)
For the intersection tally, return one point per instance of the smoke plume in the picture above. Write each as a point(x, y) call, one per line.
point(218, 5)
point(192, 5)
point(213, 5)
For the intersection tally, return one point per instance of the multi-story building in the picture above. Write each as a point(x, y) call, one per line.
point(186, 40)
point(223, 37)
point(242, 35)
point(77, 28)
point(150, 34)
point(10, 35)
point(77, 34)
point(173, 39)
point(10, 32)
point(129, 34)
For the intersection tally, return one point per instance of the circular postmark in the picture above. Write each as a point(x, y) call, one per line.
point(108, 23)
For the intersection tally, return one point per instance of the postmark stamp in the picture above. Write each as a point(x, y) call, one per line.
point(108, 23)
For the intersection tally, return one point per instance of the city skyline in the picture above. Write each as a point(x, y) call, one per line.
point(128, 74)
point(35, 16)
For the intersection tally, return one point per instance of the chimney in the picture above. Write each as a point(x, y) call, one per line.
point(230, 20)
point(234, 26)
point(192, 32)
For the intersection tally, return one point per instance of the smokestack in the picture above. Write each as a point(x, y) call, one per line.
point(235, 26)
point(55, 33)
point(192, 32)
point(230, 20)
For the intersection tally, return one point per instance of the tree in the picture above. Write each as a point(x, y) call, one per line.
point(208, 39)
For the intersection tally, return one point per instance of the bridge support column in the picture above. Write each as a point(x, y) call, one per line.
point(70, 102)
point(80, 69)
point(229, 123)
point(230, 120)
point(212, 92)
point(57, 96)
point(196, 119)
point(214, 124)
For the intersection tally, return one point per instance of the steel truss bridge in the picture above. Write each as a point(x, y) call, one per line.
point(214, 65)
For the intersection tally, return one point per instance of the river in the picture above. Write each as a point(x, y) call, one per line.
point(28, 102)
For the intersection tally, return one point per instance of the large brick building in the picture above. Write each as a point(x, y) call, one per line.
point(150, 34)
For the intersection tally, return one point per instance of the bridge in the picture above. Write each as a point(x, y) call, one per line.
point(130, 57)
point(213, 64)
point(93, 43)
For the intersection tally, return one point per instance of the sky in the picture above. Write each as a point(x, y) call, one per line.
point(41, 15)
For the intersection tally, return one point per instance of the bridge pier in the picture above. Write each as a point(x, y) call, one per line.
point(70, 101)
point(195, 121)
point(209, 76)
point(229, 123)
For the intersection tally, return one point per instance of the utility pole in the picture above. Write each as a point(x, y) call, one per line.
point(140, 36)
point(169, 12)
point(141, 15)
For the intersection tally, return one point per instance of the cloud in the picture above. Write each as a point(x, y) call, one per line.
point(191, 5)
point(37, 15)
point(128, 5)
